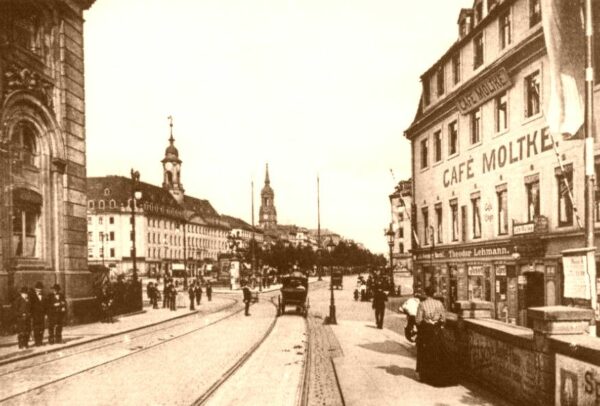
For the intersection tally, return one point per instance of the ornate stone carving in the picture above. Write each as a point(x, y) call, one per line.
point(18, 78)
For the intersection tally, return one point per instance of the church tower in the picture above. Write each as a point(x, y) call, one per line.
point(267, 213)
point(172, 168)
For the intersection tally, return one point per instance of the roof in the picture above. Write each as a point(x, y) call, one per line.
point(200, 206)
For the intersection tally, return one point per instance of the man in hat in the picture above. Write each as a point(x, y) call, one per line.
point(57, 308)
point(379, 299)
point(247, 297)
point(22, 308)
point(38, 313)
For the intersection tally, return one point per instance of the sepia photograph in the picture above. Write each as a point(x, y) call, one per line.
point(299, 202)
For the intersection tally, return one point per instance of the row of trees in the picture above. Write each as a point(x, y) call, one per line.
point(284, 257)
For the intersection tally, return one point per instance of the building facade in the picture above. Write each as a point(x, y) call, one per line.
point(496, 197)
point(400, 205)
point(174, 231)
point(42, 152)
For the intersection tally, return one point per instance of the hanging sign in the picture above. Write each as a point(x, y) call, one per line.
point(483, 90)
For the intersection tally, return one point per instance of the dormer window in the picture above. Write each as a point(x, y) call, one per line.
point(107, 192)
point(426, 92)
point(91, 204)
point(478, 11)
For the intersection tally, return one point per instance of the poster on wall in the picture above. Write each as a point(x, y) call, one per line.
point(576, 280)
point(576, 382)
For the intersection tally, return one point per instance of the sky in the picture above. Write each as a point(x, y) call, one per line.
point(312, 87)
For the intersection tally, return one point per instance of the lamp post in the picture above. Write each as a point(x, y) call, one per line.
point(185, 262)
point(136, 195)
point(332, 318)
point(390, 240)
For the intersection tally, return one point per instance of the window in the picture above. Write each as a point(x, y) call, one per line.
point(111, 220)
point(565, 205)
point(90, 253)
point(112, 252)
point(111, 236)
point(505, 34)
point(401, 248)
point(425, 213)
point(532, 94)
point(101, 204)
point(475, 126)
point(502, 210)
point(439, 221)
point(454, 211)
point(89, 219)
point(477, 51)
point(535, 12)
point(101, 236)
point(501, 104)
point(478, 9)
point(25, 229)
point(440, 81)
point(437, 141)
point(533, 199)
point(452, 138)
point(475, 201)
point(463, 222)
point(107, 192)
point(91, 204)
point(112, 204)
point(100, 220)
point(426, 94)
point(424, 153)
point(90, 236)
point(401, 232)
point(23, 142)
point(456, 68)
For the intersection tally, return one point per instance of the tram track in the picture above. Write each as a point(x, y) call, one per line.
point(302, 390)
point(118, 358)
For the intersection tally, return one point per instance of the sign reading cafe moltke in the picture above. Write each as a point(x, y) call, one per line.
point(483, 90)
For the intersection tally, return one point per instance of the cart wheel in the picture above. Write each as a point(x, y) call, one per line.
point(278, 306)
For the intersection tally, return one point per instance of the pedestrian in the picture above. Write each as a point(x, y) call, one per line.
point(379, 299)
point(209, 291)
point(106, 303)
point(165, 292)
point(173, 296)
point(192, 294)
point(22, 309)
point(433, 362)
point(198, 293)
point(153, 294)
point(38, 314)
point(247, 297)
point(410, 309)
point(57, 308)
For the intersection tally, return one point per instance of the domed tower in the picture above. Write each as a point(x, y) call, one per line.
point(267, 213)
point(172, 168)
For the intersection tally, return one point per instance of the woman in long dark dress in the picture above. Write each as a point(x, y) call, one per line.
point(433, 363)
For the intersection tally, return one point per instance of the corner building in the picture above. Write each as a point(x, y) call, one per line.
point(42, 153)
point(491, 204)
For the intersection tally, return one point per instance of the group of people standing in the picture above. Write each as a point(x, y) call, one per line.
point(170, 293)
point(195, 293)
point(31, 308)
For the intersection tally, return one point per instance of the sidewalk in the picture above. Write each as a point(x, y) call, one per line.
point(86, 333)
point(378, 368)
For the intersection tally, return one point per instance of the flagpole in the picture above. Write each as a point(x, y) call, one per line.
point(589, 160)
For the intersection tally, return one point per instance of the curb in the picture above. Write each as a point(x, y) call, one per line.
point(93, 339)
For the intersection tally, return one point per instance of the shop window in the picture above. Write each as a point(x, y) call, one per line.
point(532, 94)
point(501, 104)
point(456, 68)
point(502, 211)
point(425, 214)
point(535, 12)
point(565, 205)
point(505, 34)
point(439, 221)
point(424, 153)
point(440, 81)
point(24, 145)
point(437, 141)
point(533, 199)
point(26, 230)
point(477, 51)
point(475, 119)
point(476, 219)
point(454, 213)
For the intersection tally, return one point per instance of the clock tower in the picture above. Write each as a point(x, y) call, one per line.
point(172, 168)
point(267, 212)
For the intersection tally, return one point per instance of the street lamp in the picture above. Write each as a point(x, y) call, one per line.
point(332, 318)
point(390, 239)
point(136, 195)
point(185, 262)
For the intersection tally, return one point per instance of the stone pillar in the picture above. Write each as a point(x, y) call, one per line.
point(474, 309)
point(547, 322)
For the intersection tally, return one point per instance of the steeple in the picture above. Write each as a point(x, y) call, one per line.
point(172, 168)
point(267, 212)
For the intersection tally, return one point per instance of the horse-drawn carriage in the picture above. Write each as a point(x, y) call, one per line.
point(294, 292)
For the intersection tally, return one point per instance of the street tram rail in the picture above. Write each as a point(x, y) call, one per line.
point(302, 390)
point(114, 343)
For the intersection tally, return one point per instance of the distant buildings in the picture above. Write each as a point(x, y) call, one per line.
point(400, 204)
